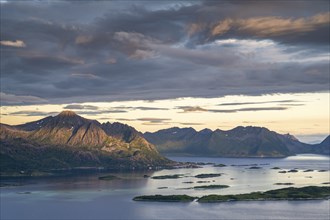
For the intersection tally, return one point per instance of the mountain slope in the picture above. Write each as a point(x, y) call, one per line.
point(238, 142)
point(68, 141)
point(323, 147)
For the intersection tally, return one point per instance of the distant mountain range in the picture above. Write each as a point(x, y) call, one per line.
point(238, 142)
point(70, 141)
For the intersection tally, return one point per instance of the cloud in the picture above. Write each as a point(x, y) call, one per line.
point(292, 104)
point(32, 113)
point(190, 124)
point(83, 39)
point(149, 108)
point(191, 109)
point(110, 61)
point(154, 120)
point(17, 43)
point(136, 45)
point(136, 51)
point(98, 112)
point(124, 119)
point(258, 103)
point(142, 54)
point(77, 106)
point(261, 109)
point(84, 75)
point(104, 118)
point(247, 109)
point(272, 26)
point(143, 108)
point(203, 57)
point(79, 109)
point(51, 61)
point(10, 99)
point(283, 22)
point(155, 123)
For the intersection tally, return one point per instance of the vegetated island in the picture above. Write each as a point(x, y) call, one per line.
point(174, 176)
point(168, 198)
point(108, 177)
point(205, 187)
point(211, 187)
point(208, 175)
point(291, 193)
point(284, 184)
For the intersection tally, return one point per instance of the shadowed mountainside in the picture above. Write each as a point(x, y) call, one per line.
point(238, 142)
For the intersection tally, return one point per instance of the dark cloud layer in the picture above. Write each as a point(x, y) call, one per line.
point(71, 52)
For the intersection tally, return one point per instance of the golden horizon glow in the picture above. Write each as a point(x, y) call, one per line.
point(298, 114)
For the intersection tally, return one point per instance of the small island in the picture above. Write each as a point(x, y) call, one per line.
point(291, 193)
point(283, 184)
point(211, 187)
point(293, 171)
point(255, 168)
point(207, 175)
point(174, 176)
point(166, 198)
point(108, 177)
point(309, 170)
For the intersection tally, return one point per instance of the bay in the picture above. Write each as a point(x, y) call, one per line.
point(86, 197)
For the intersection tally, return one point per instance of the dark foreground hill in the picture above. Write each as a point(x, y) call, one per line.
point(69, 141)
point(238, 142)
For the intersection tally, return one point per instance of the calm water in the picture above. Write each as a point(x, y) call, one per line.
point(86, 197)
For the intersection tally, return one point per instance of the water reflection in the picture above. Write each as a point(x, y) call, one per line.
point(87, 197)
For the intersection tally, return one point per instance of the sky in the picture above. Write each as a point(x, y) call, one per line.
point(158, 64)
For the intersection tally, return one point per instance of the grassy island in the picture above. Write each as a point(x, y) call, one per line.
point(211, 187)
point(175, 176)
point(208, 175)
point(291, 193)
point(283, 184)
point(255, 168)
point(167, 198)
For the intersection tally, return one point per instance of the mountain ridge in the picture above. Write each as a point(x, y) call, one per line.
point(67, 141)
point(240, 141)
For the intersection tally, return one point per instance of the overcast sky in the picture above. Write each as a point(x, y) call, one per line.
point(74, 52)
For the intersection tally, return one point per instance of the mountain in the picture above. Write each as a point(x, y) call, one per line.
point(69, 141)
point(238, 142)
point(323, 147)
